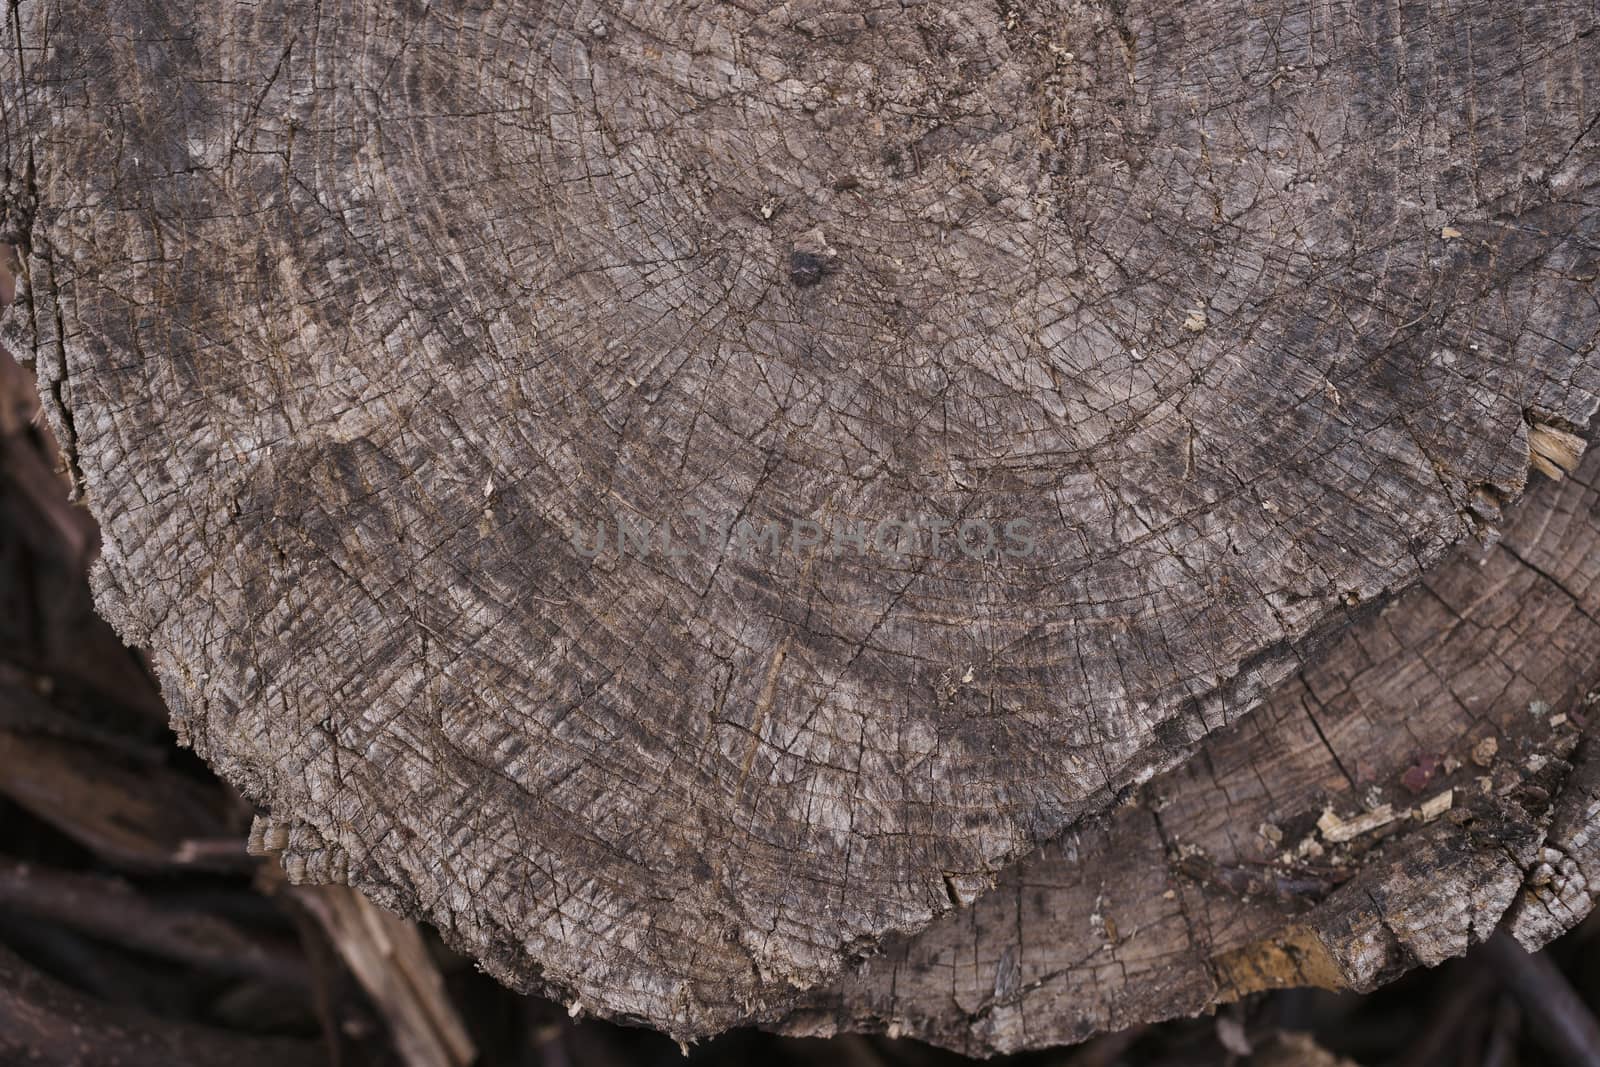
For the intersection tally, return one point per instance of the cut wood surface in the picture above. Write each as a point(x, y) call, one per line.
point(359, 320)
point(1432, 777)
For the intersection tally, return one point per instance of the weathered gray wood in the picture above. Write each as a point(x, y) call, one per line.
point(351, 313)
point(1449, 723)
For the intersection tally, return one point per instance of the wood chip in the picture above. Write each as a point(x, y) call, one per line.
point(1436, 806)
point(1338, 830)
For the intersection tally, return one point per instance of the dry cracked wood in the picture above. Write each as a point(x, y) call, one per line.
point(358, 319)
point(1423, 782)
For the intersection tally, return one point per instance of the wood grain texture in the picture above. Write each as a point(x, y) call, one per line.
point(351, 315)
point(1457, 722)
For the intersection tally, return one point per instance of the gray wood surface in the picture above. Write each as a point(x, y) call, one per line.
point(352, 316)
point(1431, 777)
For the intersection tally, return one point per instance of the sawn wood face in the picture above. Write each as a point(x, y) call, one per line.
point(1205, 324)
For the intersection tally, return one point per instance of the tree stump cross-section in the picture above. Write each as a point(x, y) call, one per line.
point(1432, 776)
point(986, 401)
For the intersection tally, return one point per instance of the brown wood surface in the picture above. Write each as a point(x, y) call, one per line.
point(1457, 721)
point(351, 315)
